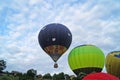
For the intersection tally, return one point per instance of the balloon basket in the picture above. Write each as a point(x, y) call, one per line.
point(55, 65)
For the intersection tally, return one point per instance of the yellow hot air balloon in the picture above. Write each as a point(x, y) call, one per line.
point(113, 63)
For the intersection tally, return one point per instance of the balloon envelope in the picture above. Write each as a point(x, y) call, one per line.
point(100, 76)
point(55, 39)
point(113, 63)
point(86, 59)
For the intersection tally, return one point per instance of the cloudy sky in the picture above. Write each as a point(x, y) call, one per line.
point(94, 22)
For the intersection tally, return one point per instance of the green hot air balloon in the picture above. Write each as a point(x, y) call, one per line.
point(86, 59)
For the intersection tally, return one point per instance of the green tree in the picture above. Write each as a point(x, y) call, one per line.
point(5, 77)
point(2, 65)
point(47, 76)
point(55, 77)
point(61, 76)
point(67, 77)
point(31, 74)
point(23, 77)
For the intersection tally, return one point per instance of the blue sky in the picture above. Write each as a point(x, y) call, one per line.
point(90, 21)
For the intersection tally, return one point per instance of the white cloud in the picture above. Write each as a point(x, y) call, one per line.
point(34, 2)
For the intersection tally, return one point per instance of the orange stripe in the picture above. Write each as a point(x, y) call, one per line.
point(55, 49)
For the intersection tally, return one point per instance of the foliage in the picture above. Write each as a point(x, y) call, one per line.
point(47, 76)
point(8, 77)
point(67, 77)
point(31, 74)
point(2, 65)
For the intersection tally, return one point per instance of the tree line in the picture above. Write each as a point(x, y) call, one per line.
point(31, 74)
